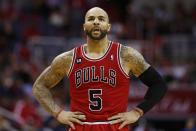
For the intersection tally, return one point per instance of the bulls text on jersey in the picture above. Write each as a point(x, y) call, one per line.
point(88, 74)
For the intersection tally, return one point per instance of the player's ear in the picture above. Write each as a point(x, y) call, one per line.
point(109, 27)
point(84, 27)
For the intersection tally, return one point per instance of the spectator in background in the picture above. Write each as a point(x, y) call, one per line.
point(5, 125)
point(190, 125)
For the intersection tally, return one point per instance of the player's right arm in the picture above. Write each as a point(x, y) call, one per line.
point(59, 68)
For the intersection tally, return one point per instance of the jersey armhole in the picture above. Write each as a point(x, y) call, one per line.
point(119, 62)
point(72, 63)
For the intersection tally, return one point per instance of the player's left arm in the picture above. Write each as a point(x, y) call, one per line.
point(134, 63)
point(148, 75)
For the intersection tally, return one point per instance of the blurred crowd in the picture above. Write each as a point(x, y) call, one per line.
point(21, 20)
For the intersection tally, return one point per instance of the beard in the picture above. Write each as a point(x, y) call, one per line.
point(103, 33)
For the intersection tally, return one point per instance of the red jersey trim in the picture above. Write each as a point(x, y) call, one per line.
point(72, 63)
point(96, 59)
point(119, 64)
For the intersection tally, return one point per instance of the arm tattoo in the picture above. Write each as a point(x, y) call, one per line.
point(49, 78)
point(132, 61)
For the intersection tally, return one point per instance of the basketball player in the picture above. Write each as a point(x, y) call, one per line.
point(99, 74)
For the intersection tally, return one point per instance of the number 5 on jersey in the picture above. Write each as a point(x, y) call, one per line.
point(95, 99)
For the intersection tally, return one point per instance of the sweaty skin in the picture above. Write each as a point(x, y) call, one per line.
point(96, 23)
point(132, 61)
point(48, 79)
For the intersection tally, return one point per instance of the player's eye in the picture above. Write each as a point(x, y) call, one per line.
point(101, 19)
point(90, 19)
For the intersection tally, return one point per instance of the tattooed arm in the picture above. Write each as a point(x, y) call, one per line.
point(48, 79)
point(133, 63)
point(147, 74)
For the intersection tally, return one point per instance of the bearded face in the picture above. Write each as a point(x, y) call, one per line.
point(96, 33)
point(96, 24)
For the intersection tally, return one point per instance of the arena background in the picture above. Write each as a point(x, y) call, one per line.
point(33, 32)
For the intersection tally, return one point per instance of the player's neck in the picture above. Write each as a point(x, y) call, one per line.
point(97, 46)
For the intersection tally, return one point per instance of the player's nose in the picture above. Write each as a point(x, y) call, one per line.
point(96, 21)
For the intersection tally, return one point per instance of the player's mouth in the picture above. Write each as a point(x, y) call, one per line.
point(96, 31)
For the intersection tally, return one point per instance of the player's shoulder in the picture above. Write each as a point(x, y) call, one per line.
point(63, 60)
point(128, 51)
point(133, 60)
point(65, 55)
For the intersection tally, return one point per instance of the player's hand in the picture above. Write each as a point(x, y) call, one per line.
point(125, 118)
point(69, 118)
